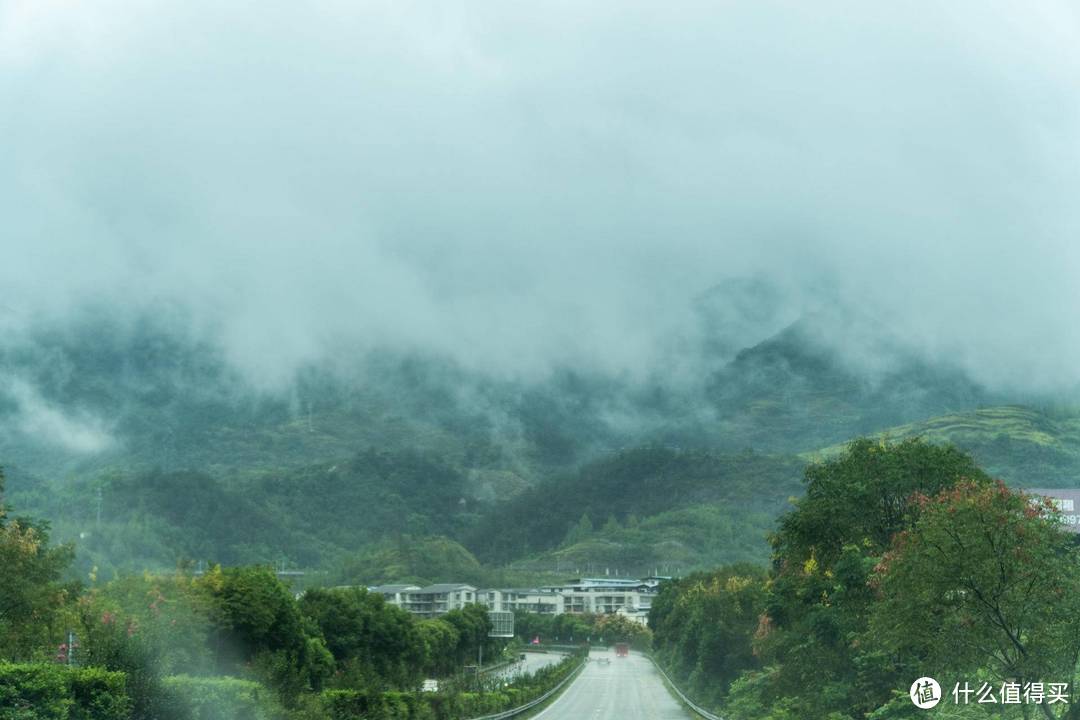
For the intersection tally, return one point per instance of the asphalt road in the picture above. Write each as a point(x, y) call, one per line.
point(627, 688)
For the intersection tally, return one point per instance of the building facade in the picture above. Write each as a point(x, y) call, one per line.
point(631, 598)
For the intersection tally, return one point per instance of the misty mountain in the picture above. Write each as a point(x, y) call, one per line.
point(194, 460)
point(98, 393)
point(795, 390)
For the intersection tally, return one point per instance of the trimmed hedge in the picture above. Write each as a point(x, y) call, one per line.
point(360, 704)
point(222, 698)
point(373, 705)
point(46, 691)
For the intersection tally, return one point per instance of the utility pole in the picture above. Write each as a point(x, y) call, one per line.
point(99, 506)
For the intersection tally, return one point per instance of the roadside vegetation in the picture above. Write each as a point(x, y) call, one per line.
point(226, 643)
point(901, 560)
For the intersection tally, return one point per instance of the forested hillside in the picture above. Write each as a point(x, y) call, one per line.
point(142, 445)
point(626, 498)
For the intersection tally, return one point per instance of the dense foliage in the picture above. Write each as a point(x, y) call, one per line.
point(631, 484)
point(40, 691)
point(30, 590)
point(901, 560)
point(227, 642)
point(704, 626)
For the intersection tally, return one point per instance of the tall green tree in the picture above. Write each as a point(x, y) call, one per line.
point(440, 640)
point(257, 622)
point(374, 642)
point(704, 626)
point(473, 626)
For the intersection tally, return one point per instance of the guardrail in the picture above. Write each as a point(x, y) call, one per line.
point(689, 703)
point(533, 703)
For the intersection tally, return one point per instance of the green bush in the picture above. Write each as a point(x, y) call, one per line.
point(222, 698)
point(33, 692)
point(361, 705)
point(345, 704)
point(99, 694)
point(44, 691)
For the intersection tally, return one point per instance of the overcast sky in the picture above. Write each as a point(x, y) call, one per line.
point(526, 184)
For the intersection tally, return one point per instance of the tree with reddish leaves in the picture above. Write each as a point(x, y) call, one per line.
point(986, 581)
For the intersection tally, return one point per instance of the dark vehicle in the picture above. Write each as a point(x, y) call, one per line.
point(622, 650)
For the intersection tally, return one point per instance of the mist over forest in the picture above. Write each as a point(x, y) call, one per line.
point(397, 359)
point(252, 244)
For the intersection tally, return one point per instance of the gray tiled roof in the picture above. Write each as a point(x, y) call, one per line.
point(443, 588)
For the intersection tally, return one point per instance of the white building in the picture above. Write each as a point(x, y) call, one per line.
point(599, 596)
point(394, 594)
point(439, 599)
point(521, 600)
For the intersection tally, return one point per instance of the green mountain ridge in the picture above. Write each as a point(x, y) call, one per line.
point(355, 473)
point(1024, 446)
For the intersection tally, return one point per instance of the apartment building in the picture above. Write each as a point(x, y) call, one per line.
point(601, 596)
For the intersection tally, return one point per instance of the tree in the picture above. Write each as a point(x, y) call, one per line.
point(864, 497)
point(376, 643)
point(615, 628)
point(473, 626)
point(611, 525)
point(148, 628)
point(31, 594)
point(824, 553)
point(256, 620)
point(986, 579)
point(583, 530)
point(704, 626)
point(440, 641)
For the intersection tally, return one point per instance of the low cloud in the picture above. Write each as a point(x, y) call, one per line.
point(43, 423)
point(521, 188)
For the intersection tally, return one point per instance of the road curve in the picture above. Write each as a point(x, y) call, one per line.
point(627, 688)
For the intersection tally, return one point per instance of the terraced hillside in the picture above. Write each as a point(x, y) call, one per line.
point(1022, 445)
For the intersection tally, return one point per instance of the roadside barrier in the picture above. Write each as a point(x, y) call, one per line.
point(689, 703)
point(533, 703)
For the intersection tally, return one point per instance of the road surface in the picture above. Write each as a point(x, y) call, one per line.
point(533, 662)
point(627, 688)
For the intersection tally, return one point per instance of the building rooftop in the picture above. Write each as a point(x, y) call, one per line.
point(527, 591)
point(387, 589)
point(443, 588)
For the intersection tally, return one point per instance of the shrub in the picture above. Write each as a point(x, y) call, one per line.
point(33, 692)
point(99, 694)
point(223, 698)
point(43, 691)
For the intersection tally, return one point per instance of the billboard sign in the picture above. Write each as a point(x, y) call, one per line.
point(502, 624)
point(1066, 500)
